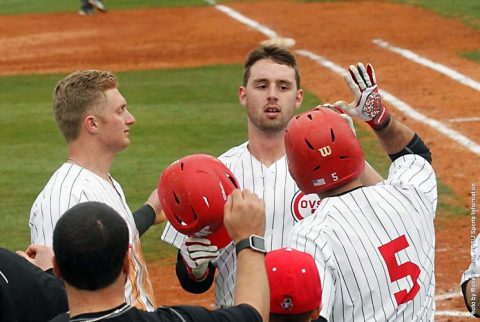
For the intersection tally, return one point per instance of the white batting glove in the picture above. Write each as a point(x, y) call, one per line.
point(341, 112)
point(197, 253)
point(367, 104)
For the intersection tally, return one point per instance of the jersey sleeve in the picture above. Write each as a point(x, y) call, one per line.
point(414, 170)
point(172, 236)
point(474, 268)
point(307, 237)
point(239, 313)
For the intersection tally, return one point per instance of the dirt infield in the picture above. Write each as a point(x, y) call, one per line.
point(343, 32)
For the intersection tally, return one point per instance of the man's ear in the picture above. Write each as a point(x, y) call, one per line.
point(56, 269)
point(242, 95)
point(315, 313)
point(90, 123)
point(299, 98)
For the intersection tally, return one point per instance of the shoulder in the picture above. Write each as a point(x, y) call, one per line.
point(233, 153)
point(413, 172)
point(409, 166)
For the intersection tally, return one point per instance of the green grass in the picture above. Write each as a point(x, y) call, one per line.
point(178, 112)
point(8, 7)
point(472, 55)
point(467, 11)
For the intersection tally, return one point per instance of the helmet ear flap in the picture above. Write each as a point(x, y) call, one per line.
point(192, 192)
point(322, 151)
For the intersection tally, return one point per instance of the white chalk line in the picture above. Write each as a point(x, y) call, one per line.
point(447, 71)
point(247, 21)
point(464, 119)
point(447, 296)
point(402, 106)
point(453, 313)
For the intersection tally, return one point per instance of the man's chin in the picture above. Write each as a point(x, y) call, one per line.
point(273, 128)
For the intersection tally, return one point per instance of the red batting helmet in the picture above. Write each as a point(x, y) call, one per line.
point(322, 151)
point(193, 192)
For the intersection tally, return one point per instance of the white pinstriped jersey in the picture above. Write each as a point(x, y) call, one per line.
point(284, 205)
point(375, 247)
point(71, 185)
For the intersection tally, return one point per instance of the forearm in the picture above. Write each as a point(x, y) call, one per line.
point(251, 271)
point(395, 137)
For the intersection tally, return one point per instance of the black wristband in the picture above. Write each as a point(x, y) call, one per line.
point(144, 218)
point(254, 242)
point(415, 146)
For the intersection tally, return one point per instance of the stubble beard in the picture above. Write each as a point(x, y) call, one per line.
point(271, 126)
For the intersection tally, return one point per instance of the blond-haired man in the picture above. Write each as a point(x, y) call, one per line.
point(93, 117)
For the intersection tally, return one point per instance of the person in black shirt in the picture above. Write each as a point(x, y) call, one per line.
point(29, 293)
point(91, 247)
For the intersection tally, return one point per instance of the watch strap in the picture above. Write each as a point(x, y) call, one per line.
point(250, 243)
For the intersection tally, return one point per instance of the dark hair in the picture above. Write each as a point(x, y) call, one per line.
point(300, 317)
point(90, 242)
point(276, 54)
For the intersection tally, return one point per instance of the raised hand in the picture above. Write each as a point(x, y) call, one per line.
point(367, 104)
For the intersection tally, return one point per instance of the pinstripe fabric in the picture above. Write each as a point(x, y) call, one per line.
point(273, 184)
point(367, 243)
point(71, 185)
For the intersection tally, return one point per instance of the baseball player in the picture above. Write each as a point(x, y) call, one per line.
point(271, 94)
point(96, 126)
point(469, 282)
point(374, 246)
point(28, 290)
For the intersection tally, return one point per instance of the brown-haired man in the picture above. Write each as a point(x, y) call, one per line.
point(270, 94)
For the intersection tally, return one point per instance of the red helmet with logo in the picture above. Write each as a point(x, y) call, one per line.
point(322, 151)
point(193, 192)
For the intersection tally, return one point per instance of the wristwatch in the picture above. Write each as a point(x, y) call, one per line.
point(254, 242)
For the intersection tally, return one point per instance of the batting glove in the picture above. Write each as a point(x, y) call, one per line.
point(341, 111)
point(196, 254)
point(367, 104)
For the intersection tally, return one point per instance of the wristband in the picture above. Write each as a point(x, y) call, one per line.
point(254, 242)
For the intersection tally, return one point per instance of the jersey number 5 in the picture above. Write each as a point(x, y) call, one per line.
point(397, 272)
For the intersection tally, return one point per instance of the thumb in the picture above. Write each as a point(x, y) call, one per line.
point(24, 255)
point(353, 87)
point(349, 121)
point(345, 108)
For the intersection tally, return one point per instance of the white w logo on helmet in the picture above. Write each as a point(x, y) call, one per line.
point(325, 151)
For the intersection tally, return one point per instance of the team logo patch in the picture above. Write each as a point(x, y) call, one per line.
point(287, 304)
point(325, 151)
point(304, 205)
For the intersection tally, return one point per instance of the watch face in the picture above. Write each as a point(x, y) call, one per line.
point(257, 243)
